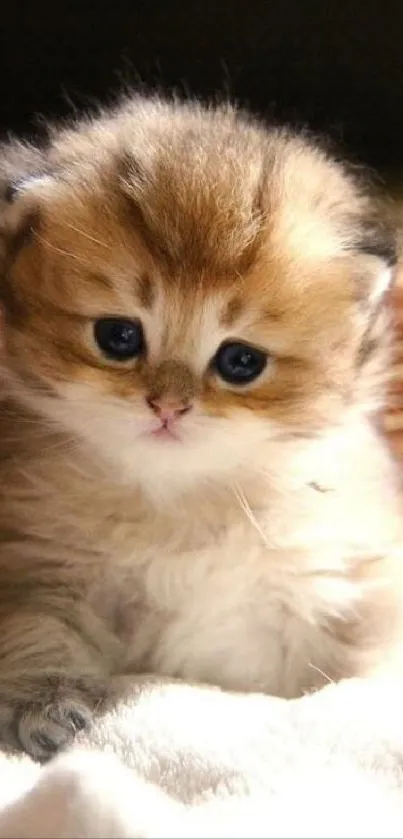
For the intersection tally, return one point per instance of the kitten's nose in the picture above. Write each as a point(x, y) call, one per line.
point(168, 409)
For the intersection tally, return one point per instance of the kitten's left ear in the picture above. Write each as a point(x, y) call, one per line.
point(383, 281)
point(378, 257)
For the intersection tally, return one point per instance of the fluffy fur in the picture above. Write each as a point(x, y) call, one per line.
point(258, 551)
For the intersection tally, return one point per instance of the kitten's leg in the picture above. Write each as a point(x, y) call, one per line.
point(53, 675)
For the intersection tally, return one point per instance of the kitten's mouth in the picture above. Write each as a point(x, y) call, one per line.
point(165, 431)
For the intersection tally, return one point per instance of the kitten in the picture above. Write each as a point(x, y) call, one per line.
point(195, 342)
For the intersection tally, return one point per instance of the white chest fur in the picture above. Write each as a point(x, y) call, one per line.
point(251, 596)
point(237, 614)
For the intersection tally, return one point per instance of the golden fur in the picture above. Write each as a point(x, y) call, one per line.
point(259, 551)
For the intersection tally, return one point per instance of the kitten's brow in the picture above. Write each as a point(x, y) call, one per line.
point(231, 312)
point(145, 291)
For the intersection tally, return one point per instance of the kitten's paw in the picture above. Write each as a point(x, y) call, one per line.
point(43, 727)
point(43, 731)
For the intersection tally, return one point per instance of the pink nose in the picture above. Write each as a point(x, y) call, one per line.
point(168, 409)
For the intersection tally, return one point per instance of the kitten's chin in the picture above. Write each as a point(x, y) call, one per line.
point(167, 468)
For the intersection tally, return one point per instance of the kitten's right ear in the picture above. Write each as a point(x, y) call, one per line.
point(23, 175)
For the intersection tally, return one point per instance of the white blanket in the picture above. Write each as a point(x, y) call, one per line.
point(176, 760)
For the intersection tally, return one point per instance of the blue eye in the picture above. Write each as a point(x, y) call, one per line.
point(119, 339)
point(239, 363)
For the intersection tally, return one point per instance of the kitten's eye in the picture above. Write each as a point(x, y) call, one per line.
point(119, 339)
point(239, 363)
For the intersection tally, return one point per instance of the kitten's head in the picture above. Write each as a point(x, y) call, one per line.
point(182, 286)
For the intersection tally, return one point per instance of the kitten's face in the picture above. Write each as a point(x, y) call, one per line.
point(179, 325)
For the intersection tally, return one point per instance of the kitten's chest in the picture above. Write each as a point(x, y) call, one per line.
point(231, 613)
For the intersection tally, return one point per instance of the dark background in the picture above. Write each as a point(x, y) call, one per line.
point(336, 66)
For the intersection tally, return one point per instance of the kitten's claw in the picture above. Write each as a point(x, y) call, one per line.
point(43, 731)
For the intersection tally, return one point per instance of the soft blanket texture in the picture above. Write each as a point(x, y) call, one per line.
point(179, 760)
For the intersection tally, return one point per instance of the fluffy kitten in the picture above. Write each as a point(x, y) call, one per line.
point(194, 344)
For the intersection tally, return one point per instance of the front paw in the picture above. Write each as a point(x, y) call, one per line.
point(43, 731)
point(43, 726)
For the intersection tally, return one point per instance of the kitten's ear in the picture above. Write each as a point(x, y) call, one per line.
point(379, 280)
point(23, 177)
point(378, 259)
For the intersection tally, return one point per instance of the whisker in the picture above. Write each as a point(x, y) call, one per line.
point(68, 443)
point(61, 250)
point(321, 672)
point(245, 506)
point(88, 236)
